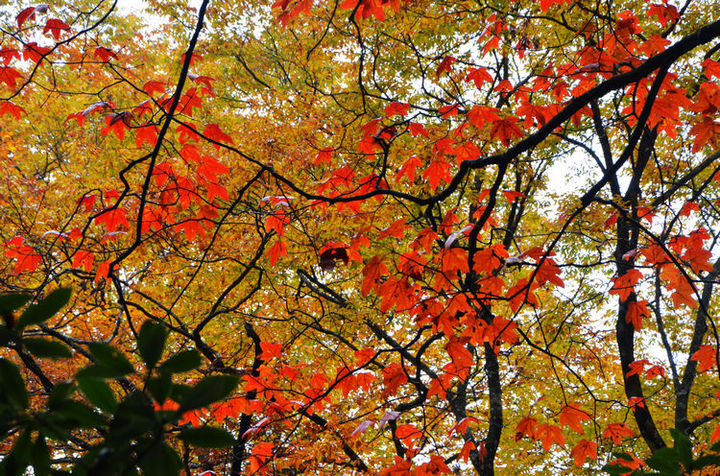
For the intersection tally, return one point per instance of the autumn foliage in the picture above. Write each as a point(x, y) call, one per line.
point(391, 237)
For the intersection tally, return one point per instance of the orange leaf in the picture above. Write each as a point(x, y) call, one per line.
point(706, 356)
point(550, 434)
point(276, 251)
point(526, 427)
point(582, 451)
point(715, 434)
point(27, 259)
point(625, 285)
point(616, 432)
point(636, 310)
point(572, 416)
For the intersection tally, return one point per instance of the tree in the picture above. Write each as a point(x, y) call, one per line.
point(423, 236)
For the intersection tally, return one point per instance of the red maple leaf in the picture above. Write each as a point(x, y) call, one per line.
point(189, 101)
point(9, 107)
point(154, 86)
point(147, 134)
point(549, 272)
point(445, 65)
point(56, 27)
point(512, 195)
point(448, 111)
point(205, 81)
point(209, 168)
point(396, 230)
point(637, 367)
point(712, 68)
point(35, 52)
point(408, 168)
point(546, 4)
point(83, 259)
point(437, 171)
point(9, 76)
point(393, 376)
point(373, 271)
point(655, 371)
point(506, 129)
point(29, 14)
point(417, 129)
point(117, 123)
point(526, 427)
point(324, 156)
point(663, 12)
point(683, 289)
point(213, 132)
point(479, 76)
point(113, 219)
point(706, 132)
point(397, 108)
point(7, 55)
point(521, 294)
point(104, 54)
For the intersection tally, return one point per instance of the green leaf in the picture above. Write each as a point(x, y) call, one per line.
point(46, 348)
point(40, 457)
point(184, 361)
point(79, 415)
point(11, 302)
point(160, 460)
point(159, 387)
point(99, 393)
point(683, 447)
point(7, 335)
point(12, 384)
point(207, 391)
point(109, 357)
point(207, 437)
point(46, 308)
point(134, 416)
point(19, 457)
point(60, 393)
point(98, 371)
point(665, 460)
point(706, 460)
point(151, 342)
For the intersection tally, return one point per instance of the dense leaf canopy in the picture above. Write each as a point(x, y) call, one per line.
point(362, 236)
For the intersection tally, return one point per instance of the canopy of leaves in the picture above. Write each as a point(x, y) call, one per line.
point(360, 236)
